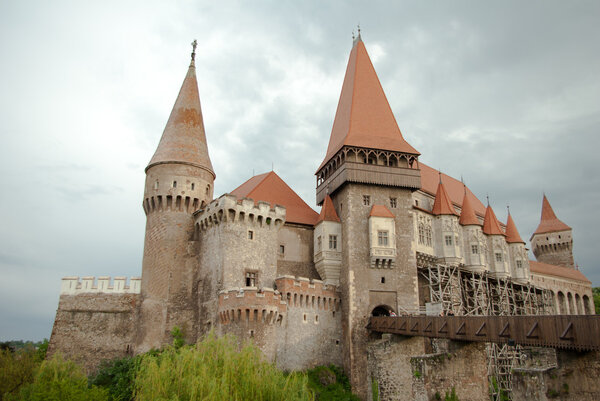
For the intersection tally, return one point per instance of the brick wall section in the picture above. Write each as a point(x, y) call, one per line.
point(462, 367)
point(389, 366)
point(297, 259)
point(92, 327)
point(575, 378)
point(311, 332)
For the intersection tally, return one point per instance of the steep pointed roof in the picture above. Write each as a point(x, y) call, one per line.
point(364, 117)
point(430, 178)
point(491, 226)
point(442, 203)
point(512, 234)
point(549, 222)
point(328, 211)
point(184, 139)
point(269, 187)
point(467, 213)
point(380, 211)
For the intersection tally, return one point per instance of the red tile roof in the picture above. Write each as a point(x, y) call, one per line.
point(512, 234)
point(467, 213)
point(269, 187)
point(430, 179)
point(364, 117)
point(442, 204)
point(184, 140)
point(381, 211)
point(491, 226)
point(559, 271)
point(549, 222)
point(328, 211)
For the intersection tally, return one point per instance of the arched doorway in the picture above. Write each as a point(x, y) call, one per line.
point(382, 310)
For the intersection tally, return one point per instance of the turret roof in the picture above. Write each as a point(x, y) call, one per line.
point(442, 203)
point(549, 222)
point(328, 211)
point(512, 234)
point(184, 139)
point(491, 226)
point(380, 211)
point(467, 213)
point(269, 187)
point(364, 117)
point(455, 189)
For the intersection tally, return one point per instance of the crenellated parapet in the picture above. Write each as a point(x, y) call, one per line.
point(229, 209)
point(300, 292)
point(73, 285)
point(251, 305)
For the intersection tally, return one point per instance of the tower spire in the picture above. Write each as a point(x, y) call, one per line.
point(184, 140)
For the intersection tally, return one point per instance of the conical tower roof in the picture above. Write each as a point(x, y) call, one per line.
point(184, 140)
point(442, 203)
point(364, 117)
point(467, 213)
point(328, 211)
point(491, 226)
point(512, 234)
point(549, 222)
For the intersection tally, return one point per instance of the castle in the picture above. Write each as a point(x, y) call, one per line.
point(392, 235)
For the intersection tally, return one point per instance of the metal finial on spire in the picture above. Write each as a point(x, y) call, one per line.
point(353, 36)
point(508, 208)
point(194, 44)
point(358, 27)
point(487, 196)
point(440, 174)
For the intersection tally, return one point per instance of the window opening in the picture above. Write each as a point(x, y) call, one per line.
point(156, 185)
point(366, 200)
point(519, 264)
point(448, 239)
point(281, 249)
point(498, 257)
point(250, 234)
point(174, 184)
point(382, 238)
point(333, 242)
point(383, 280)
point(474, 249)
point(193, 186)
point(393, 202)
point(250, 279)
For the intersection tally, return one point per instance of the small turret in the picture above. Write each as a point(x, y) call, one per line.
point(474, 240)
point(497, 247)
point(519, 262)
point(328, 244)
point(552, 241)
point(447, 230)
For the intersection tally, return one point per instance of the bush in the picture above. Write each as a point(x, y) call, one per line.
point(117, 376)
point(596, 294)
point(214, 369)
point(17, 368)
point(59, 380)
point(329, 383)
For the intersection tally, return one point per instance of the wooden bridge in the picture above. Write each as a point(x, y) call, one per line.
point(573, 332)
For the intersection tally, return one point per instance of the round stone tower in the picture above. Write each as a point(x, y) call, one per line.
point(179, 181)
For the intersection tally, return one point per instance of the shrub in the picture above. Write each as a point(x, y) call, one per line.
point(214, 369)
point(17, 368)
point(329, 383)
point(117, 376)
point(59, 380)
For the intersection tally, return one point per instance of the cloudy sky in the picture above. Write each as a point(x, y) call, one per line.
point(505, 94)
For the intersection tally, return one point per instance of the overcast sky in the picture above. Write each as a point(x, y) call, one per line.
point(505, 94)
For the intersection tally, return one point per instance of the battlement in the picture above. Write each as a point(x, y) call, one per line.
point(251, 304)
point(73, 286)
point(301, 292)
point(228, 208)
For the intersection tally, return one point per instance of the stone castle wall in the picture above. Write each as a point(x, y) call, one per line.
point(92, 326)
point(297, 256)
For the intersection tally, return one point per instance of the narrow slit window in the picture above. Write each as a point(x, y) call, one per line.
point(174, 184)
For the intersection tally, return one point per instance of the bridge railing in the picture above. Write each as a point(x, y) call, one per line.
point(575, 332)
